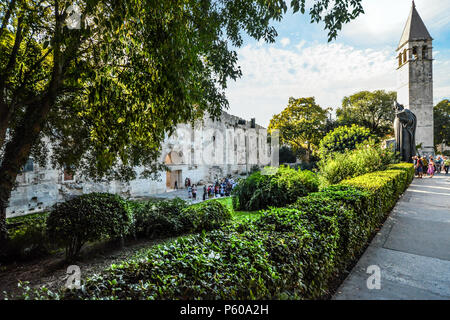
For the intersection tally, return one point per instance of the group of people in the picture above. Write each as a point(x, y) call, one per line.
point(221, 188)
point(429, 166)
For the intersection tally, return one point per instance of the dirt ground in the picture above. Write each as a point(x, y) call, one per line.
point(51, 270)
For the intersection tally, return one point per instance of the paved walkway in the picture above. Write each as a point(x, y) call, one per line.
point(182, 194)
point(412, 249)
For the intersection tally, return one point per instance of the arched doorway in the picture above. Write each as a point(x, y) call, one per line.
point(173, 177)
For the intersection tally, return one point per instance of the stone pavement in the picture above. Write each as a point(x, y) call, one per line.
point(412, 249)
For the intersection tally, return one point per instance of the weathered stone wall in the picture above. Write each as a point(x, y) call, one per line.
point(208, 151)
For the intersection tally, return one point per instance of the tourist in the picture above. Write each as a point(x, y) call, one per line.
point(446, 164)
point(204, 192)
point(440, 164)
point(189, 189)
point(216, 190)
point(418, 166)
point(176, 185)
point(431, 167)
point(194, 192)
point(424, 165)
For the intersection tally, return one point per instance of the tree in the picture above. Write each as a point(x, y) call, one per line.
point(343, 139)
point(441, 116)
point(104, 91)
point(301, 124)
point(286, 155)
point(372, 110)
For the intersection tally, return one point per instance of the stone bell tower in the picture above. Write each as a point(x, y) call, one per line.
point(415, 78)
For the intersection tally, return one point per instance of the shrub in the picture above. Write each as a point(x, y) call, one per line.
point(259, 191)
point(27, 237)
point(343, 139)
point(384, 187)
point(206, 216)
point(364, 159)
point(155, 219)
point(89, 217)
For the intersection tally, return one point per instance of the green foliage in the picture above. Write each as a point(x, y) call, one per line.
point(343, 139)
point(372, 110)
point(158, 219)
point(364, 159)
point(259, 191)
point(441, 117)
point(27, 238)
point(384, 187)
point(286, 155)
point(293, 252)
point(206, 216)
point(90, 217)
point(301, 125)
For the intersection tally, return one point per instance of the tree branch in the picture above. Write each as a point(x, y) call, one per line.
point(7, 16)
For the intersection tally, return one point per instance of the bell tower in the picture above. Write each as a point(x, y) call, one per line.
point(415, 78)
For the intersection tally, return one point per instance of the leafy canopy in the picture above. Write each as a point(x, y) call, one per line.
point(441, 115)
point(372, 110)
point(343, 139)
point(105, 95)
point(301, 124)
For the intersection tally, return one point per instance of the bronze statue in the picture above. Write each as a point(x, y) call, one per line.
point(405, 132)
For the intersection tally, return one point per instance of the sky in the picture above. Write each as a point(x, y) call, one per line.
point(302, 63)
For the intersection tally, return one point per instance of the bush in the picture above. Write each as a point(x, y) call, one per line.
point(384, 188)
point(156, 219)
point(259, 191)
point(27, 237)
point(343, 139)
point(206, 216)
point(364, 159)
point(90, 217)
point(161, 219)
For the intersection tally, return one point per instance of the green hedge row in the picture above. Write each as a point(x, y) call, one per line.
point(291, 252)
point(102, 216)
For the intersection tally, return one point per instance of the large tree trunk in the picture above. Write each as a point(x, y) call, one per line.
point(17, 152)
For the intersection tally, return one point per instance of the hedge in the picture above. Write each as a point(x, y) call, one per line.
point(293, 252)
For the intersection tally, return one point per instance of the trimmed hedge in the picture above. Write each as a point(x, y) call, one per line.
point(260, 191)
point(292, 252)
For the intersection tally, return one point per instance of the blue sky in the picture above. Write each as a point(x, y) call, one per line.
point(301, 63)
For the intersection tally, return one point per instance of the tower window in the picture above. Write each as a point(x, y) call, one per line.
point(404, 56)
point(400, 60)
point(415, 56)
point(424, 52)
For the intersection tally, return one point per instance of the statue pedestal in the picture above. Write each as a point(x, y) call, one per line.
point(427, 152)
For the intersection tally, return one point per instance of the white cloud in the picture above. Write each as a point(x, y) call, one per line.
point(384, 20)
point(328, 72)
point(285, 42)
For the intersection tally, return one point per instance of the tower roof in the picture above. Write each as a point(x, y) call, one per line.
point(414, 29)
